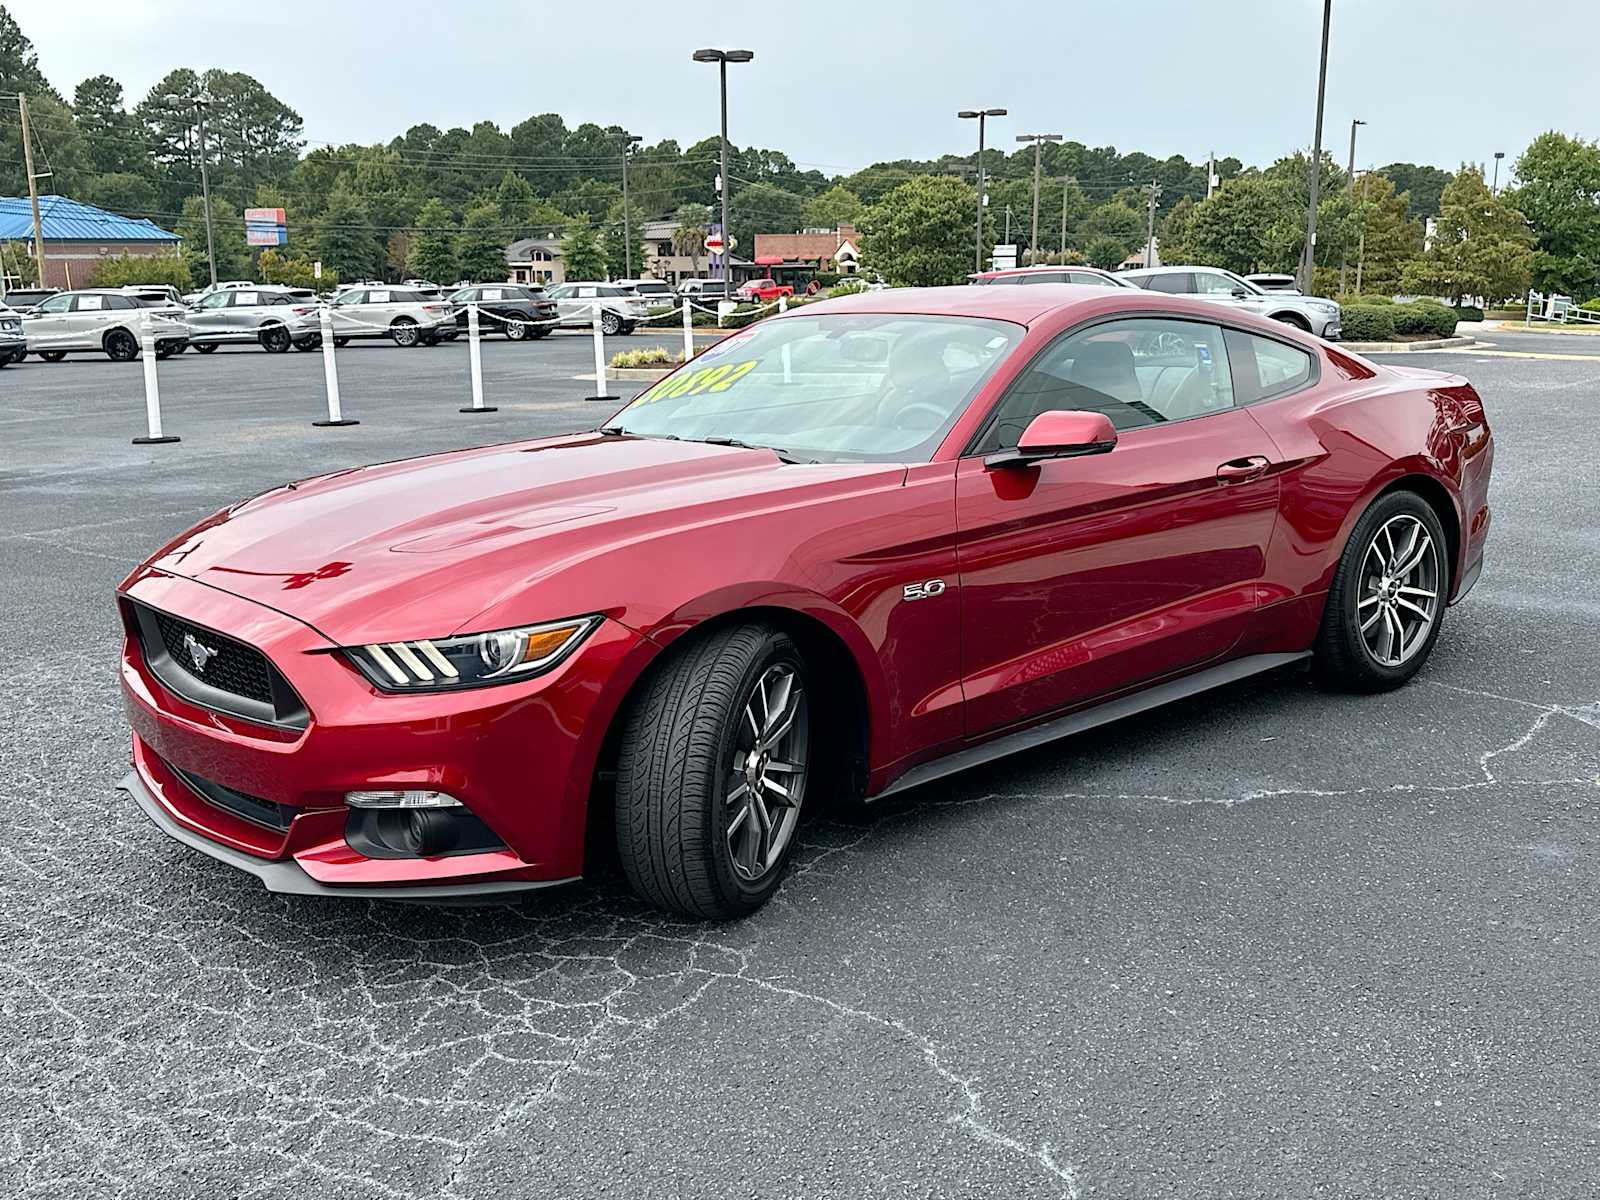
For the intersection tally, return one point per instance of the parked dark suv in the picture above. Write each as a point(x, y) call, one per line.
point(514, 309)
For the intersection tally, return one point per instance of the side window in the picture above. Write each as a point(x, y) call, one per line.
point(1213, 283)
point(378, 297)
point(56, 304)
point(587, 293)
point(1091, 280)
point(243, 299)
point(492, 294)
point(1142, 371)
point(215, 300)
point(1264, 367)
point(90, 304)
point(1179, 283)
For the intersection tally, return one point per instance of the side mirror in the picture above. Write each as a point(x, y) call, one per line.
point(1240, 294)
point(1058, 434)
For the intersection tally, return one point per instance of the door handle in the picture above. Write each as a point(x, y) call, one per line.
point(1240, 470)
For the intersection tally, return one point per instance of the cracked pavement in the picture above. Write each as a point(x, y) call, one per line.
point(1267, 942)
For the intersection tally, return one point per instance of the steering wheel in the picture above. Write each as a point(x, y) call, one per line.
point(934, 411)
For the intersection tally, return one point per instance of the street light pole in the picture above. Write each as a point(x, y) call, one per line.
point(1308, 256)
point(722, 58)
point(1038, 139)
point(200, 103)
point(1498, 155)
point(982, 114)
point(33, 191)
point(1349, 186)
point(629, 141)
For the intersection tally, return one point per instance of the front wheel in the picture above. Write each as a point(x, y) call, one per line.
point(516, 330)
point(341, 341)
point(121, 346)
point(610, 324)
point(1386, 605)
point(205, 347)
point(712, 773)
point(405, 332)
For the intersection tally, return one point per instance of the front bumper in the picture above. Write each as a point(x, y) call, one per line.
point(521, 757)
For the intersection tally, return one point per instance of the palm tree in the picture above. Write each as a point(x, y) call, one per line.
point(690, 236)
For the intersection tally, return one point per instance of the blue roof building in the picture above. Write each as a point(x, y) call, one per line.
point(77, 235)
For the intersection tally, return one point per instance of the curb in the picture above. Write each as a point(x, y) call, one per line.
point(649, 373)
point(1449, 343)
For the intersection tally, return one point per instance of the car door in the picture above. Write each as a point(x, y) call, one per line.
point(90, 317)
point(1084, 576)
point(209, 318)
point(242, 316)
point(345, 313)
point(1225, 289)
point(48, 326)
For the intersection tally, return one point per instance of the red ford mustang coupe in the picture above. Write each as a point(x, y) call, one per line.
point(842, 552)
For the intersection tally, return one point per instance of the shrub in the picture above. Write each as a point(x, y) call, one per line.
point(826, 279)
point(654, 356)
point(1470, 312)
point(124, 270)
point(1595, 303)
point(847, 287)
point(1356, 298)
point(1424, 318)
point(1366, 323)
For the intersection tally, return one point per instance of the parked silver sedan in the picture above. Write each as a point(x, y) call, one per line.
point(274, 318)
point(106, 320)
point(404, 315)
point(620, 309)
point(1309, 313)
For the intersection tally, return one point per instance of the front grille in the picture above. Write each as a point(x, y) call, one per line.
point(254, 809)
point(216, 671)
point(234, 667)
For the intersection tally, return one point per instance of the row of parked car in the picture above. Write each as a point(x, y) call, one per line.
point(53, 324)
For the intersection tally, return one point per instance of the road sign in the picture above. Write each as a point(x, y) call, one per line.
point(316, 269)
point(714, 243)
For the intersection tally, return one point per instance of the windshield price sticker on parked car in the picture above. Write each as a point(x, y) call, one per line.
point(694, 383)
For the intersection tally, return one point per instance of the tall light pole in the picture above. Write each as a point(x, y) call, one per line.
point(33, 192)
point(1038, 140)
point(1498, 155)
point(981, 114)
point(1308, 256)
point(629, 141)
point(722, 58)
point(1349, 186)
point(200, 103)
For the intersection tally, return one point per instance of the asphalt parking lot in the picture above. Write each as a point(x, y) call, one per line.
point(1271, 943)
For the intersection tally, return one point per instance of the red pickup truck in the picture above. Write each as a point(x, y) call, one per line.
point(763, 290)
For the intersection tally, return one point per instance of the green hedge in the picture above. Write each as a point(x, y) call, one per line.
point(1468, 312)
point(1366, 323)
point(1355, 298)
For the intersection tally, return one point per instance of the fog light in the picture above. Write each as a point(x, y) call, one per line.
point(400, 799)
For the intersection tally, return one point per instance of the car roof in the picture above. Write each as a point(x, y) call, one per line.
point(1146, 272)
point(1042, 268)
point(1020, 305)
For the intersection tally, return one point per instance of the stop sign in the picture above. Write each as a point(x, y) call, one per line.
point(714, 243)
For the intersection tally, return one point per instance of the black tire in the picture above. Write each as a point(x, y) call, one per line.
point(517, 329)
point(1300, 323)
point(610, 324)
point(430, 339)
point(541, 332)
point(339, 342)
point(312, 341)
point(677, 765)
point(275, 339)
point(165, 351)
point(52, 355)
point(405, 333)
point(627, 328)
point(121, 346)
point(1343, 659)
point(205, 347)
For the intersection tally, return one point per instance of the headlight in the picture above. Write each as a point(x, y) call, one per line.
point(470, 660)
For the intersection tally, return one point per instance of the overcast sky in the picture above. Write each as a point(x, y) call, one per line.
point(840, 85)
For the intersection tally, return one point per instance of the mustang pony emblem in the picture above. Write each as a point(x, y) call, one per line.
point(199, 653)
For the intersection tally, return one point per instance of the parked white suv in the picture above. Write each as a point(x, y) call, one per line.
point(620, 309)
point(404, 315)
point(107, 320)
point(274, 318)
point(1309, 313)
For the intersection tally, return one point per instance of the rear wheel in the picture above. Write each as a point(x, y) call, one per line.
point(1387, 602)
point(205, 347)
point(712, 773)
point(312, 341)
point(516, 330)
point(341, 341)
point(1300, 323)
point(275, 339)
point(121, 346)
point(404, 332)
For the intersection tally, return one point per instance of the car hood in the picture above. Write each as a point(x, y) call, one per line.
point(420, 548)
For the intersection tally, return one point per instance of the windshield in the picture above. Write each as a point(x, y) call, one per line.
point(856, 387)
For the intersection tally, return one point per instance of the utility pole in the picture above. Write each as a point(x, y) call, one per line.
point(1498, 155)
point(1150, 224)
point(1066, 182)
point(1350, 186)
point(200, 103)
point(1211, 173)
point(1008, 225)
point(33, 186)
point(1361, 250)
point(629, 141)
point(1038, 139)
point(967, 114)
point(723, 58)
point(1308, 255)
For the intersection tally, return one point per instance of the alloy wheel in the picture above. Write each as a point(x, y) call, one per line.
point(767, 773)
point(405, 332)
point(1399, 594)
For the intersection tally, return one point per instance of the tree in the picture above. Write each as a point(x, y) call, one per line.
point(1247, 225)
point(920, 234)
point(227, 227)
point(1480, 247)
point(433, 252)
point(581, 256)
point(612, 243)
point(481, 248)
point(1106, 252)
point(694, 223)
point(761, 208)
point(1424, 185)
point(111, 136)
point(1559, 190)
point(344, 236)
point(274, 267)
point(1392, 238)
point(19, 63)
point(122, 192)
point(123, 270)
point(835, 207)
point(1112, 222)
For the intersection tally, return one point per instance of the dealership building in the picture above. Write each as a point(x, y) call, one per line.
point(76, 237)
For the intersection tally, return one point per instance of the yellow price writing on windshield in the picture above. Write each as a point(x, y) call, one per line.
point(695, 383)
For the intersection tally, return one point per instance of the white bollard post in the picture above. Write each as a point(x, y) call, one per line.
point(783, 307)
point(475, 358)
point(330, 373)
point(152, 389)
point(599, 360)
point(688, 330)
